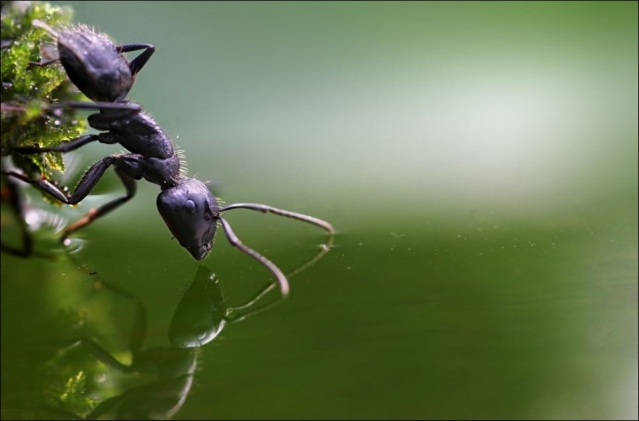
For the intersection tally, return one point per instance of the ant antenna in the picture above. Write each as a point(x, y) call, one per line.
point(235, 242)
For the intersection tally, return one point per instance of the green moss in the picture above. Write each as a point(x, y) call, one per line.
point(26, 88)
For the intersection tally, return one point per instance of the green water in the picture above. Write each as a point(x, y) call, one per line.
point(479, 162)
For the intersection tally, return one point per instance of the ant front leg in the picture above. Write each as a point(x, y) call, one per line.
point(137, 63)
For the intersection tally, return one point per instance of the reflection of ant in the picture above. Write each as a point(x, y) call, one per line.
point(198, 319)
point(99, 69)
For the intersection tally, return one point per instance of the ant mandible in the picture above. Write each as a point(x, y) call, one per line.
point(100, 70)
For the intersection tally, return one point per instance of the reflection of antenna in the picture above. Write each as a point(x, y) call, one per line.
point(324, 248)
point(280, 277)
point(231, 318)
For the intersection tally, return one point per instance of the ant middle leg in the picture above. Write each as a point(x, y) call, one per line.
point(95, 213)
point(115, 110)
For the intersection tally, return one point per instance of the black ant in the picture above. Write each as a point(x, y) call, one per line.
point(108, 79)
point(100, 70)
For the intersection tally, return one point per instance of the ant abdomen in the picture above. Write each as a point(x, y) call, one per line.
point(95, 64)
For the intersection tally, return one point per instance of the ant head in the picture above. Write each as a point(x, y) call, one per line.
point(191, 213)
point(94, 65)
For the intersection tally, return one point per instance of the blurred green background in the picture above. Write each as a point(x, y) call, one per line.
point(479, 161)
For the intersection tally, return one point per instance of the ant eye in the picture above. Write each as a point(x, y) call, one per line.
point(209, 214)
point(189, 205)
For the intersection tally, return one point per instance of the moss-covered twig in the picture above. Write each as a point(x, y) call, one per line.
point(28, 88)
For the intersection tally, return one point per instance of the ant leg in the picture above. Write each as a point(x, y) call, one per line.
point(100, 353)
point(126, 108)
point(44, 63)
point(87, 183)
point(137, 63)
point(324, 248)
point(235, 242)
point(64, 147)
point(12, 195)
point(118, 111)
point(95, 213)
point(16, 202)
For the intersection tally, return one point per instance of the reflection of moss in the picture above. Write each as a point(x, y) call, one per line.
point(50, 384)
point(26, 88)
point(70, 378)
point(44, 378)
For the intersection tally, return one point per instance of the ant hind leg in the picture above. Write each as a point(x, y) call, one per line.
point(130, 186)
